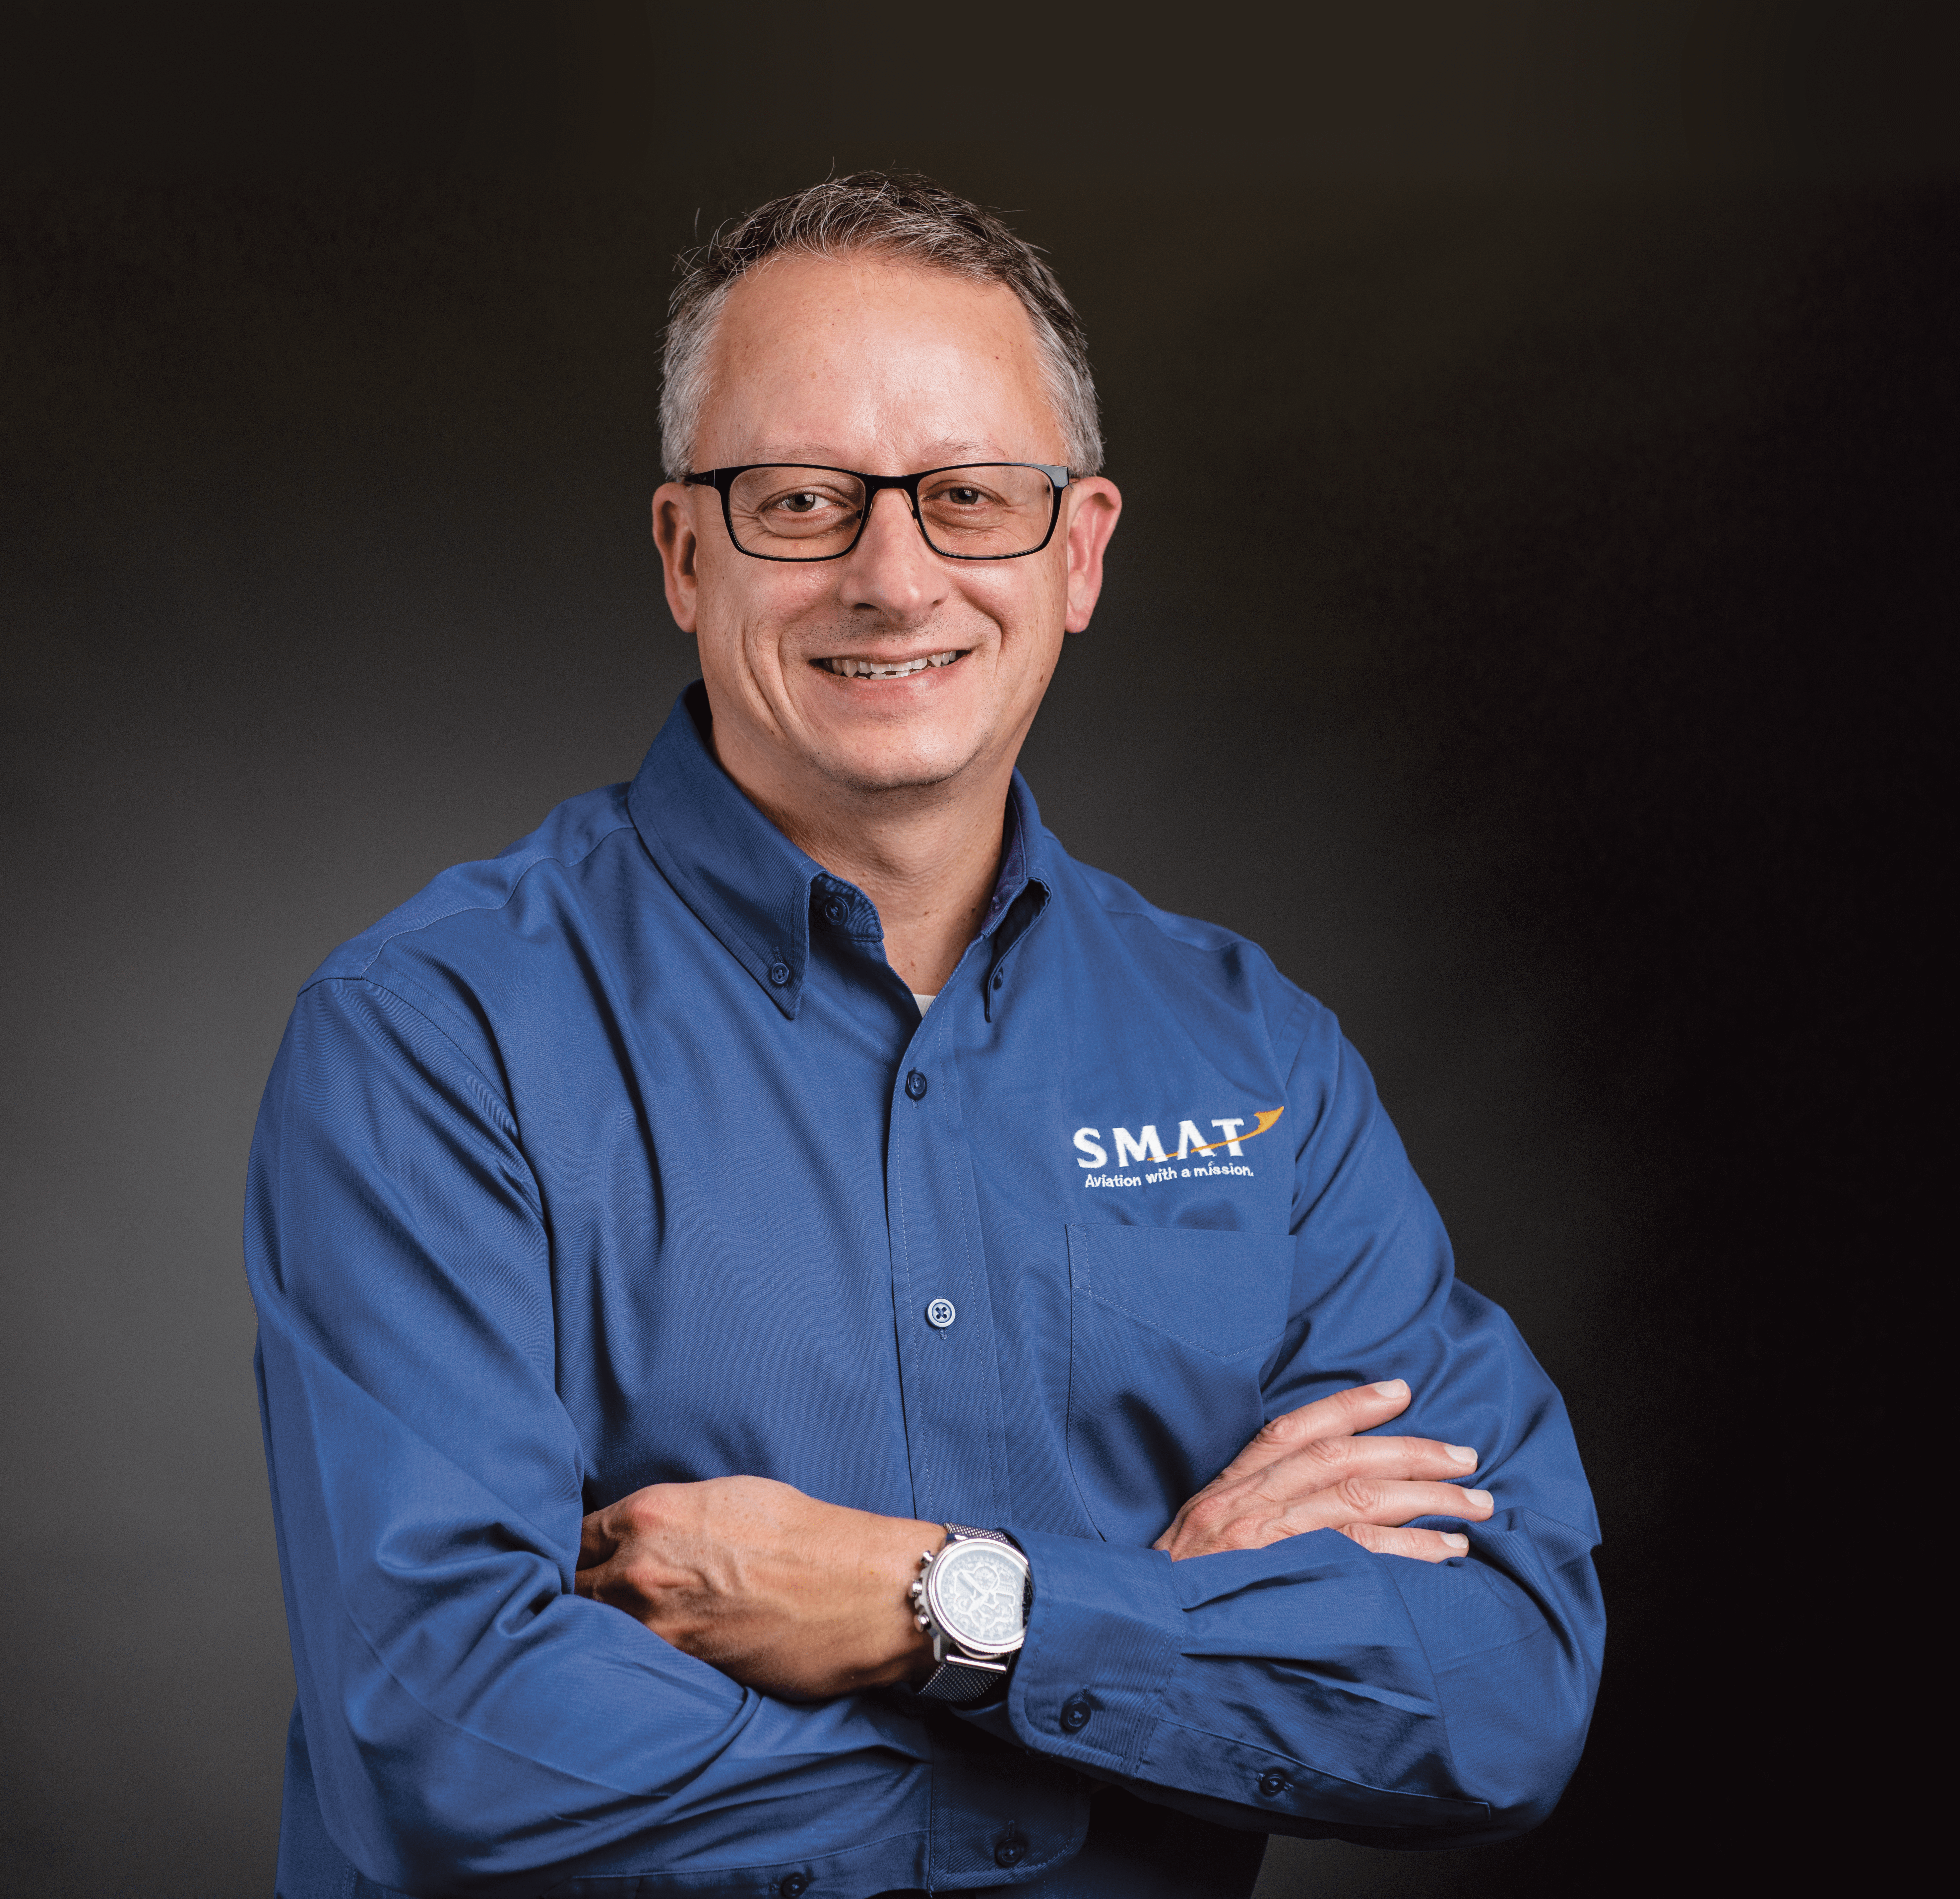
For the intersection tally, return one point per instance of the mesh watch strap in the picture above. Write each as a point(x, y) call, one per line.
point(967, 1535)
point(959, 1682)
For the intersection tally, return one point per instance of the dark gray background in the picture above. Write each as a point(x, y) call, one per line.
point(1530, 622)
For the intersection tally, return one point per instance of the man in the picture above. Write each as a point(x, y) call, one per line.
point(811, 1344)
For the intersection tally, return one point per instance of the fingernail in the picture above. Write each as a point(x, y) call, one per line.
point(1462, 1452)
point(1457, 1542)
point(1391, 1388)
point(1481, 1498)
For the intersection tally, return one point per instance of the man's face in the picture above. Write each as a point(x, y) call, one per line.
point(880, 366)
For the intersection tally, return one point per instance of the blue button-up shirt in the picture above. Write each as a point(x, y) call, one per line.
point(625, 1158)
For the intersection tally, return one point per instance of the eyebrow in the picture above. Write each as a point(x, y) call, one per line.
point(945, 453)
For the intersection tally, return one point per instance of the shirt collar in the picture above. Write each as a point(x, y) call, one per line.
point(744, 880)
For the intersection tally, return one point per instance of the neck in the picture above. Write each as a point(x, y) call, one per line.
point(928, 856)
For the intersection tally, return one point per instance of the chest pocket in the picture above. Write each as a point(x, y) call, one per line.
point(1168, 1327)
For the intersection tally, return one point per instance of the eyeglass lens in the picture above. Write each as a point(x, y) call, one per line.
point(987, 511)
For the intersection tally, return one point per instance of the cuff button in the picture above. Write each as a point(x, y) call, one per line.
point(1075, 1713)
point(1272, 1784)
point(793, 1885)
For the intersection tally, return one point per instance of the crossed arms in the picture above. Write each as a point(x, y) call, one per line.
point(803, 1599)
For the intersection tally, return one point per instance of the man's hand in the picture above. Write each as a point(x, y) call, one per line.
point(1308, 1470)
point(784, 1594)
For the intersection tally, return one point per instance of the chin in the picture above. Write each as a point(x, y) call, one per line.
point(887, 746)
point(897, 768)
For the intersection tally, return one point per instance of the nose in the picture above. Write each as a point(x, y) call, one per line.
point(890, 569)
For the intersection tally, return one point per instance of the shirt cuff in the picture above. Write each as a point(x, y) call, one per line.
point(1102, 1645)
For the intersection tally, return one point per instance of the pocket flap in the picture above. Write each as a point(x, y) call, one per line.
point(1224, 1292)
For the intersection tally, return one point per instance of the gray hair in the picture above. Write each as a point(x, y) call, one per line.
point(896, 214)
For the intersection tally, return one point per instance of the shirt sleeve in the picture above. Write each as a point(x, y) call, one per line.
point(1312, 1687)
point(427, 1492)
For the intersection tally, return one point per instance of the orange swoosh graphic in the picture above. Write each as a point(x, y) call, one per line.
point(1266, 1117)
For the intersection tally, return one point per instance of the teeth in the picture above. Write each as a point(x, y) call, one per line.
point(876, 670)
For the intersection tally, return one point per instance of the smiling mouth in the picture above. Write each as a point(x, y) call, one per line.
point(856, 669)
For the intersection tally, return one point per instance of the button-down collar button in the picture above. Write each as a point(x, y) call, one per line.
point(941, 1314)
point(779, 973)
point(1075, 1713)
point(793, 1885)
point(1009, 1849)
point(1272, 1783)
point(915, 1085)
point(835, 910)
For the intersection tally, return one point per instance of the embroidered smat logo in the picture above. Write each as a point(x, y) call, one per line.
point(1196, 1157)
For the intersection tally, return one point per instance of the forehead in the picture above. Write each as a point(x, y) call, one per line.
point(842, 358)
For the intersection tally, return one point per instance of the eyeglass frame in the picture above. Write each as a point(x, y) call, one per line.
point(723, 480)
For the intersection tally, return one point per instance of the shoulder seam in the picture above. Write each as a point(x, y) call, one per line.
point(1302, 1002)
point(463, 909)
point(416, 1009)
point(1160, 921)
point(1145, 911)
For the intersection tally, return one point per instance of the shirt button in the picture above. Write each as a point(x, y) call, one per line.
point(794, 1885)
point(1075, 1714)
point(835, 910)
point(915, 1085)
point(1009, 1849)
point(1272, 1784)
point(941, 1314)
point(779, 974)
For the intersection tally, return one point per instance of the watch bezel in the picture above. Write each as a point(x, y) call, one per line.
point(943, 1563)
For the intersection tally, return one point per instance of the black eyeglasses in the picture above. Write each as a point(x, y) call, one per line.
point(979, 511)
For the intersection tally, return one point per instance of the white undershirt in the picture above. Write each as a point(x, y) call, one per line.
point(924, 1002)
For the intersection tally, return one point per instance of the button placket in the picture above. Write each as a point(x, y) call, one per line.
point(946, 1340)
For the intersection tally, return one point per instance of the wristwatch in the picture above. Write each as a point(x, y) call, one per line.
point(972, 1597)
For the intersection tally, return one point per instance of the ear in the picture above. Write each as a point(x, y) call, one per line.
point(1092, 507)
point(675, 535)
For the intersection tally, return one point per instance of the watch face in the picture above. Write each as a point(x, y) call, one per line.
point(976, 1595)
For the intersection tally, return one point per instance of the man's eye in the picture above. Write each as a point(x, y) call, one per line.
point(963, 497)
point(803, 503)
